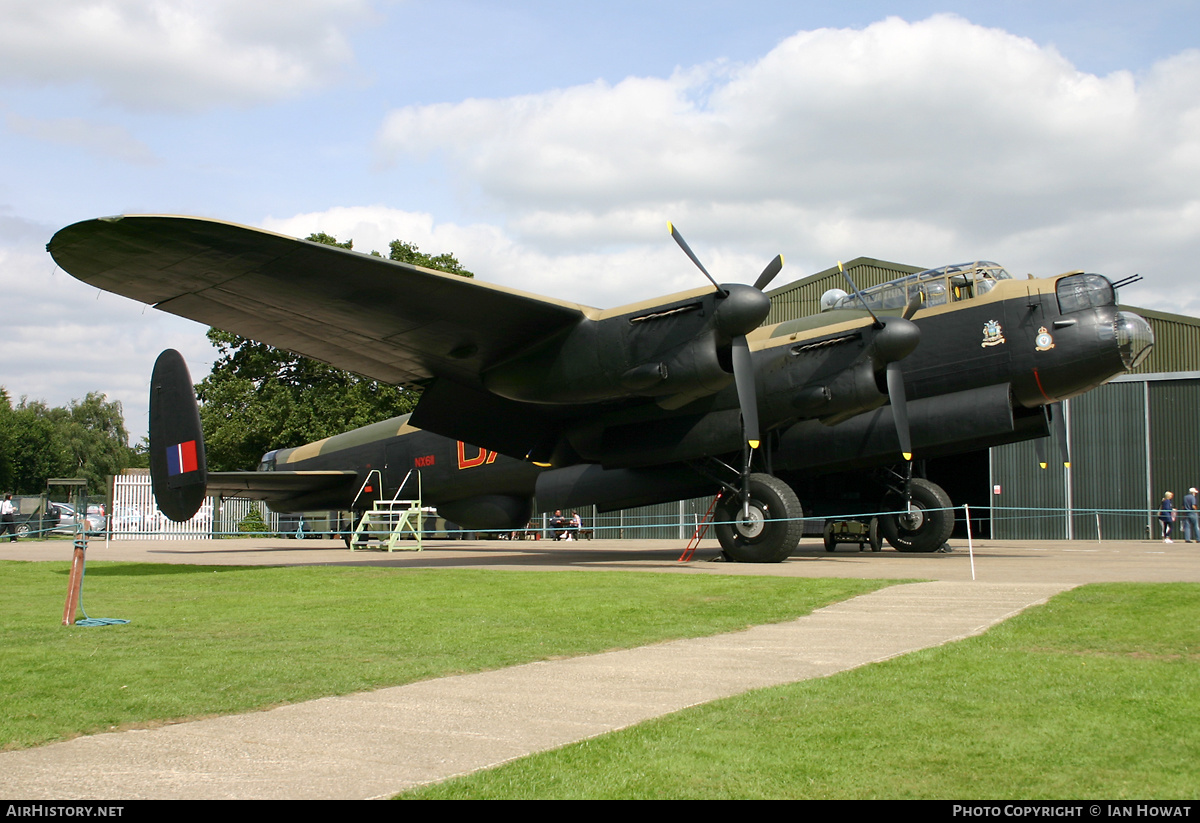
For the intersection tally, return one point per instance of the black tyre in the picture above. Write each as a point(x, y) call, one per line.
point(830, 545)
point(873, 534)
point(923, 529)
point(774, 526)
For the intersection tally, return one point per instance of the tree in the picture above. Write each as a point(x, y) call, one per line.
point(95, 440)
point(259, 398)
point(408, 253)
point(86, 439)
point(6, 440)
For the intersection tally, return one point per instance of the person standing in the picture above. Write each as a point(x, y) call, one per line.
point(1166, 515)
point(7, 519)
point(1191, 516)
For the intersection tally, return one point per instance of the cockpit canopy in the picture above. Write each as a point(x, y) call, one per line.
point(935, 287)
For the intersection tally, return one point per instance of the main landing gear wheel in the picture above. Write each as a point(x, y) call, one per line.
point(773, 528)
point(926, 526)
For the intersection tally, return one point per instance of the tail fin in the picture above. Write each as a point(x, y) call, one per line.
point(177, 464)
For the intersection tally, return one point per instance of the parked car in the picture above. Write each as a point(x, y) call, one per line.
point(68, 519)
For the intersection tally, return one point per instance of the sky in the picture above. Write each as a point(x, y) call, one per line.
point(546, 145)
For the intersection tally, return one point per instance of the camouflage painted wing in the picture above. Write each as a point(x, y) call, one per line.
point(287, 491)
point(393, 322)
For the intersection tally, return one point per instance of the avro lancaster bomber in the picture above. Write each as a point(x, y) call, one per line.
point(529, 397)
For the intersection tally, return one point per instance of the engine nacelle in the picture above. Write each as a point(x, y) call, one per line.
point(947, 424)
point(487, 512)
point(851, 392)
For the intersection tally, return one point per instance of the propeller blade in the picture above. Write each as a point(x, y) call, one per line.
point(913, 306)
point(895, 386)
point(688, 251)
point(768, 274)
point(743, 375)
point(858, 294)
point(1058, 419)
point(1039, 448)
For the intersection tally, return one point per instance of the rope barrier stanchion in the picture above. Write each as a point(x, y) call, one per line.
point(970, 542)
point(74, 602)
point(75, 580)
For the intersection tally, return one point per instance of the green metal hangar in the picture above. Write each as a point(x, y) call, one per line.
point(1131, 440)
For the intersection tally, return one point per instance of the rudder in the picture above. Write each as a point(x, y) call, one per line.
point(178, 469)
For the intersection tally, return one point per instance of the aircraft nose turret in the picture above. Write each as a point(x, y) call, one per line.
point(1135, 339)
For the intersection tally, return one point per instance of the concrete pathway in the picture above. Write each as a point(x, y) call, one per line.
point(377, 744)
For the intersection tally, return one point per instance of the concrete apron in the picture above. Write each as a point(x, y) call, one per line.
point(376, 744)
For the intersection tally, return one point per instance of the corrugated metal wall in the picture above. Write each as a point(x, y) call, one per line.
point(1174, 438)
point(1131, 441)
point(1109, 459)
point(1176, 343)
point(664, 521)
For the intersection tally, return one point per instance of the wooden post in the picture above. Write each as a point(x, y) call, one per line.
point(76, 580)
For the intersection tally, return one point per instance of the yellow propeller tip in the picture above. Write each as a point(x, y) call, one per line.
point(1043, 465)
point(754, 443)
point(907, 455)
point(1067, 465)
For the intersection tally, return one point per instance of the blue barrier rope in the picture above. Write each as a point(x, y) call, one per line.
point(1006, 513)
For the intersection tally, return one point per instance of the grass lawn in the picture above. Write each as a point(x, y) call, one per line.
point(1093, 695)
point(207, 640)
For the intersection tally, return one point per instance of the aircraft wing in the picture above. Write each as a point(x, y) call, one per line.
point(393, 322)
point(286, 491)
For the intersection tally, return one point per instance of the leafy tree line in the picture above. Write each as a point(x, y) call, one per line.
point(259, 398)
point(86, 438)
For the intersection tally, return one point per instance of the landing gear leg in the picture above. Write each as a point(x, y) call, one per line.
point(765, 527)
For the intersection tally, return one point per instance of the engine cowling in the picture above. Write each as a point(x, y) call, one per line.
point(487, 512)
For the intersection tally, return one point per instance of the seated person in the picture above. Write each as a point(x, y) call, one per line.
point(558, 524)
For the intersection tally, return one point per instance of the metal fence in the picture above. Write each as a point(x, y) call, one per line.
point(135, 516)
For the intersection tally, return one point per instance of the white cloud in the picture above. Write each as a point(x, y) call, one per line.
point(178, 54)
point(602, 279)
point(921, 142)
point(63, 338)
point(104, 140)
point(924, 143)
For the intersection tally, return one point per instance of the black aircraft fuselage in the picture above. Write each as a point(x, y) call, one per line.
point(984, 368)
